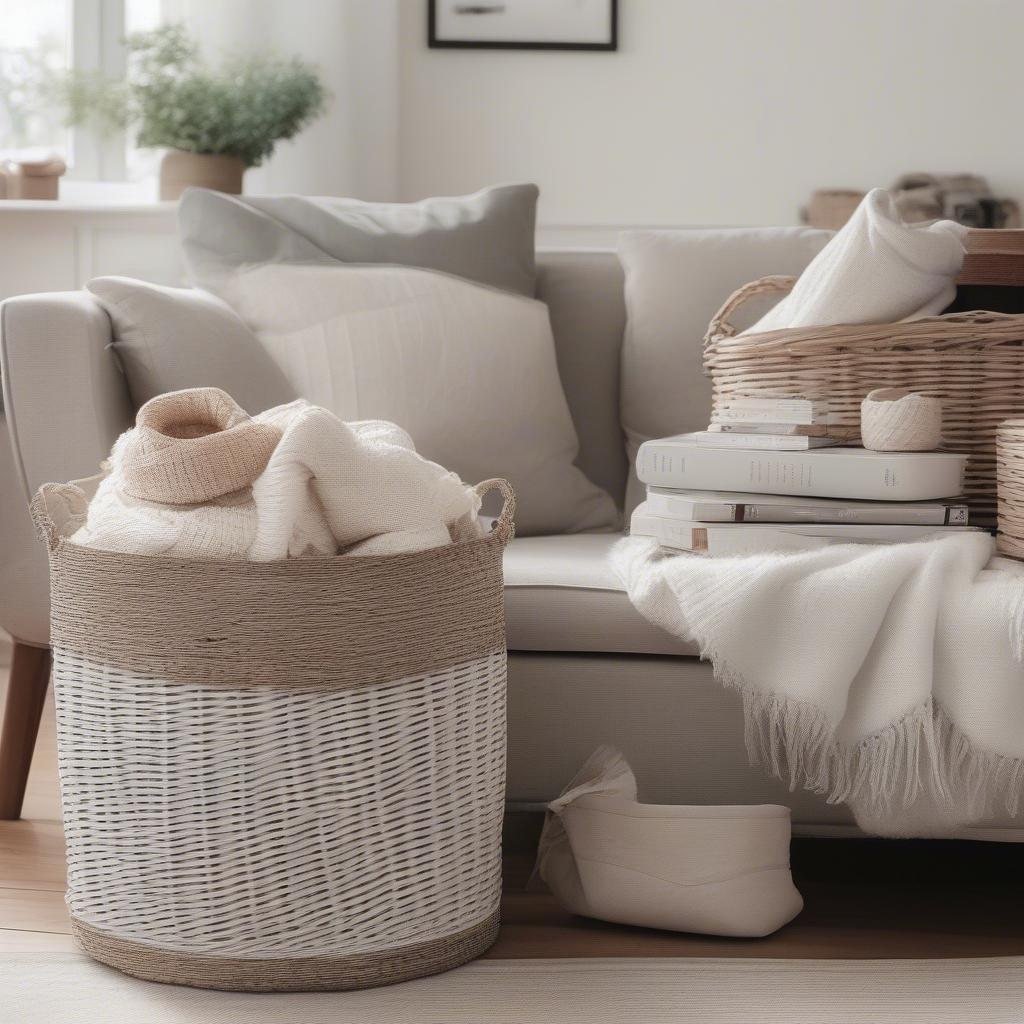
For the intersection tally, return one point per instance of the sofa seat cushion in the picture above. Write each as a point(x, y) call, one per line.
point(561, 594)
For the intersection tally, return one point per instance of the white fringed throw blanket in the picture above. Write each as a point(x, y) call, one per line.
point(889, 677)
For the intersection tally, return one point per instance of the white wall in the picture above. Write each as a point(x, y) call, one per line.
point(352, 149)
point(720, 111)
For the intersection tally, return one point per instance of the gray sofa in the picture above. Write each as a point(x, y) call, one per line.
point(584, 667)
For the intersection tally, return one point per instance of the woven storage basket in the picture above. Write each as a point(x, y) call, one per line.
point(283, 776)
point(1010, 470)
point(974, 362)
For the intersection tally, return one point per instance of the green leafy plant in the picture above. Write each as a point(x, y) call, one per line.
point(171, 98)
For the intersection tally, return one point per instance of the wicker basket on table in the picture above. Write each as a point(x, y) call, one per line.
point(281, 776)
point(973, 361)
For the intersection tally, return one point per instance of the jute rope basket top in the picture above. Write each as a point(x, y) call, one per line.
point(974, 362)
point(282, 775)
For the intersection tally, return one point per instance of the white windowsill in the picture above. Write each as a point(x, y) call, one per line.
point(95, 196)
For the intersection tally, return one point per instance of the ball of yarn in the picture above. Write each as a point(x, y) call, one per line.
point(897, 420)
point(1010, 487)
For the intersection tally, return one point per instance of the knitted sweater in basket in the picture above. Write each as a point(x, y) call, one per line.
point(197, 477)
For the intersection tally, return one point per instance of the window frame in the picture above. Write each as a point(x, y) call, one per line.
point(97, 34)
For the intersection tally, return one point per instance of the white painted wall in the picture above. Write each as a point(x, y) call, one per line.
point(721, 111)
point(353, 149)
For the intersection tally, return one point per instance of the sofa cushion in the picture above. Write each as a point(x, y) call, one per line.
point(675, 283)
point(169, 339)
point(562, 595)
point(583, 293)
point(487, 237)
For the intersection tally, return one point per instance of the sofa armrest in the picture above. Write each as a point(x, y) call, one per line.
point(65, 397)
point(64, 403)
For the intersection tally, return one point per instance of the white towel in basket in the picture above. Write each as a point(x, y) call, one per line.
point(361, 484)
point(875, 270)
point(197, 477)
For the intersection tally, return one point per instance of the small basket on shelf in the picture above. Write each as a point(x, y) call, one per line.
point(973, 362)
point(1010, 472)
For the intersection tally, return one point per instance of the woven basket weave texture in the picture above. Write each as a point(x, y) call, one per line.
point(318, 804)
point(1010, 470)
point(973, 362)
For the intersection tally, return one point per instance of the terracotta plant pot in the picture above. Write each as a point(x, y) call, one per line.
point(180, 170)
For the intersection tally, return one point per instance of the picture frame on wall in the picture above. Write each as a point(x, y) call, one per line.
point(523, 24)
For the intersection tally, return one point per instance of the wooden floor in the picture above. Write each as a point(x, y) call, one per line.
point(864, 899)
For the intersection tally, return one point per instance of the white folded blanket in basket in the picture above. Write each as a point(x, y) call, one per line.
point(875, 270)
point(197, 477)
point(889, 677)
point(360, 487)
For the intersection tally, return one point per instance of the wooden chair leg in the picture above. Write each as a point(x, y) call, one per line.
point(26, 694)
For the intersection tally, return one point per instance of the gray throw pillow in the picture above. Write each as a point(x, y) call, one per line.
point(487, 237)
point(172, 338)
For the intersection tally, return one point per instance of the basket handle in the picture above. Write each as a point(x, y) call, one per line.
point(504, 526)
point(58, 510)
point(720, 327)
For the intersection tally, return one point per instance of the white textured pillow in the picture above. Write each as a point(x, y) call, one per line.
point(468, 370)
point(675, 283)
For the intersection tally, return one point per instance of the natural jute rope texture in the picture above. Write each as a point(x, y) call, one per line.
point(355, 620)
point(973, 362)
point(319, 808)
point(1010, 472)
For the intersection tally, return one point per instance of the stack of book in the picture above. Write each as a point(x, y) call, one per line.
point(769, 424)
point(742, 498)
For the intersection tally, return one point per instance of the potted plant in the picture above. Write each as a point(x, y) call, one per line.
point(214, 123)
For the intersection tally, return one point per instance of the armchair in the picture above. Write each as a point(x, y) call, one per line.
point(57, 425)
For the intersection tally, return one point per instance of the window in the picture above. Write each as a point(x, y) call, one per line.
point(35, 44)
point(41, 38)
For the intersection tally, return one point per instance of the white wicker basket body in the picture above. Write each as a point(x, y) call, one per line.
point(295, 817)
point(973, 362)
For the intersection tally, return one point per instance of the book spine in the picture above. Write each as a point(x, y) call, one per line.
point(736, 538)
point(749, 414)
point(727, 540)
point(795, 429)
point(817, 474)
point(699, 511)
point(762, 442)
point(877, 515)
point(679, 535)
point(868, 514)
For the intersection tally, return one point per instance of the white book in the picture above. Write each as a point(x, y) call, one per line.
point(828, 473)
point(771, 410)
point(810, 429)
point(760, 441)
point(732, 507)
point(756, 538)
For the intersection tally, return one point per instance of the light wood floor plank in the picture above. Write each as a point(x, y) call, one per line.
point(34, 910)
point(12, 941)
point(32, 855)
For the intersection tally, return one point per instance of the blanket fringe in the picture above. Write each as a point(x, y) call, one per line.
point(923, 752)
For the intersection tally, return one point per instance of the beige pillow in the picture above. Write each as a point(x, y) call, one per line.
point(468, 370)
point(675, 283)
